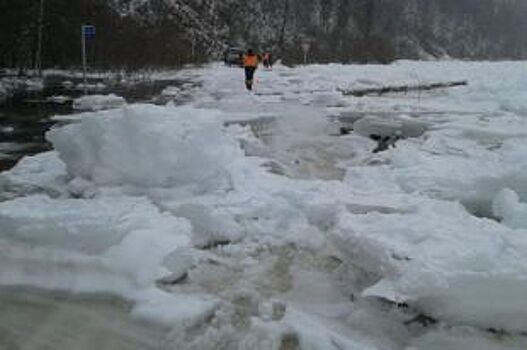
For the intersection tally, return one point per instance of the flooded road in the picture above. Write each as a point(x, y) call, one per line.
point(25, 118)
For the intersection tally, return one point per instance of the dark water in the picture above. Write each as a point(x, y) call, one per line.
point(25, 118)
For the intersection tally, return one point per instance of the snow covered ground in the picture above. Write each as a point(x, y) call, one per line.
point(246, 221)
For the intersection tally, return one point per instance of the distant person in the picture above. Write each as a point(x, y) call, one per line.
point(267, 60)
point(250, 63)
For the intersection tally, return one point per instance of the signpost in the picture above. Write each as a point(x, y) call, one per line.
point(87, 32)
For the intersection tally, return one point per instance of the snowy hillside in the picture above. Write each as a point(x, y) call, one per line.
point(247, 221)
point(350, 30)
point(134, 34)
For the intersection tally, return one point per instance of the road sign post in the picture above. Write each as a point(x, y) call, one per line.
point(87, 32)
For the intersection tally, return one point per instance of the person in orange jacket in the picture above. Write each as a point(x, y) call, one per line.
point(250, 63)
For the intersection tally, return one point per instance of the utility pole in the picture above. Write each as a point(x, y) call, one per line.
point(38, 58)
point(84, 60)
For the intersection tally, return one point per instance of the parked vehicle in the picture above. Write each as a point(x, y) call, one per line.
point(233, 57)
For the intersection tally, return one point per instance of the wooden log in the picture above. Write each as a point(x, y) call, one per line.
point(293, 92)
point(401, 88)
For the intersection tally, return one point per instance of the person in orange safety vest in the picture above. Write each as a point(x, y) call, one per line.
point(250, 63)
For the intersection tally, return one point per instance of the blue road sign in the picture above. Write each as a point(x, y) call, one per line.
point(88, 31)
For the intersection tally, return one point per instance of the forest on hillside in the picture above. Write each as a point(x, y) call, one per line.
point(133, 34)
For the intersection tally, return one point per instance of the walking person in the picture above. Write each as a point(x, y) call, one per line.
point(250, 63)
point(267, 60)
